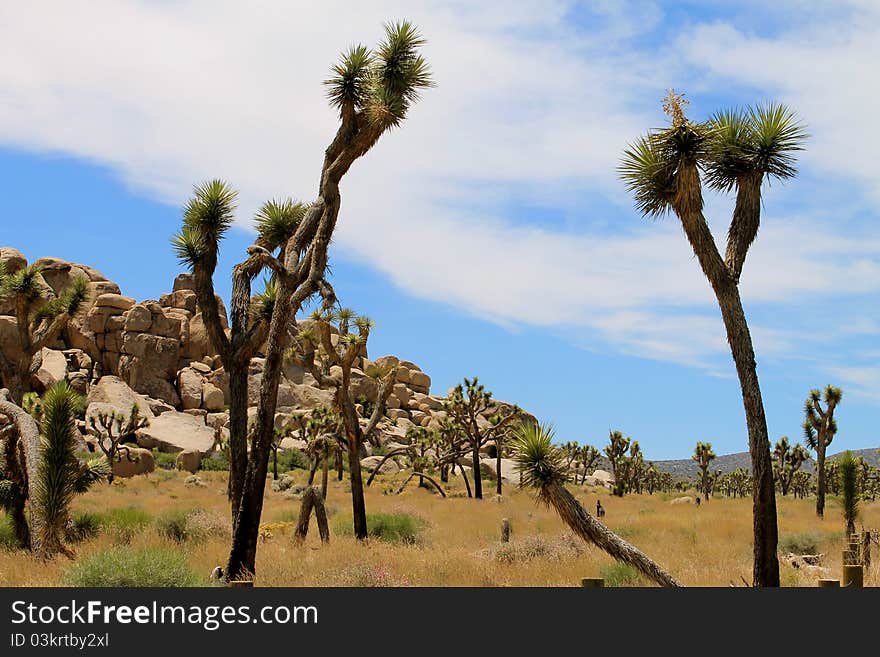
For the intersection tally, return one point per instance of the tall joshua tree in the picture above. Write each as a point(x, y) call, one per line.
point(40, 317)
point(615, 451)
point(819, 429)
point(736, 150)
point(373, 92)
point(704, 456)
point(849, 484)
point(544, 469)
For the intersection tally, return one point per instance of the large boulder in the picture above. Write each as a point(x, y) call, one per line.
point(176, 432)
point(189, 383)
point(138, 461)
point(12, 258)
point(52, 370)
point(189, 460)
point(509, 471)
point(687, 499)
point(114, 392)
point(371, 462)
point(212, 397)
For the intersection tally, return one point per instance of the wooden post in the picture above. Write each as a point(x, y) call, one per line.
point(592, 582)
point(829, 583)
point(853, 576)
point(505, 530)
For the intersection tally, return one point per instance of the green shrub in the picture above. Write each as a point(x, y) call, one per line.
point(620, 574)
point(216, 461)
point(83, 525)
point(7, 535)
point(803, 543)
point(164, 460)
point(172, 524)
point(123, 523)
point(292, 459)
point(528, 548)
point(124, 566)
point(390, 527)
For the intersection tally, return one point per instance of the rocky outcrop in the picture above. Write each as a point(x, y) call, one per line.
point(177, 432)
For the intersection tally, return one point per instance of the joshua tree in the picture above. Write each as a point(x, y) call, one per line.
point(787, 461)
point(615, 451)
point(114, 429)
point(373, 92)
point(543, 469)
point(309, 349)
point(849, 483)
point(588, 457)
point(466, 406)
point(735, 150)
point(653, 478)
point(704, 456)
point(819, 429)
point(60, 475)
point(40, 317)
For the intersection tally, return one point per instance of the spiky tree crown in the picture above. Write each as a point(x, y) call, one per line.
point(542, 465)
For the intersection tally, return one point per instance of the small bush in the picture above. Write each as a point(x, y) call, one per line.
point(83, 525)
point(123, 566)
point(217, 461)
point(536, 547)
point(172, 524)
point(7, 534)
point(366, 575)
point(291, 459)
point(164, 460)
point(194, 526)
point(803, 543)
point(123, 523)
point(390, 527)
point(620, 574)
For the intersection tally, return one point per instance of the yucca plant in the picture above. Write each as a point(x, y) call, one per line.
point(60, 474)
point(543, 468)
point(704, 456)
point(40, 316)
point(848, 467)
point(735, 150)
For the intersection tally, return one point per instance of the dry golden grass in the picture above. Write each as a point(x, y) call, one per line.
point(701, 546)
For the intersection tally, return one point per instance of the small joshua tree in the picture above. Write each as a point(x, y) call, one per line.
point(40, 317)
point(544, 470)
point(112, 430)
point(704, 456)
point(819, 429)
point(60, 475)
point(588, 456)
point(787, 461)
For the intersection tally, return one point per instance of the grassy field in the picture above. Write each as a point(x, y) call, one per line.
point(458, 541)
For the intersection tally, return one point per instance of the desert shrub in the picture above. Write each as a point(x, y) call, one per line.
point(803, 543)
point(291, 459)
point(124, 566)
point(7, 534)
point(390, 527)
point(364, 575)
point(194, 525)
point(123, 523)
point(164, 460)
point(83, 525)
point(172, 524)
point(217, 461)
point(620, 574)
point(536, 547)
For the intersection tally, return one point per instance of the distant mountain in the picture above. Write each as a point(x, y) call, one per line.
point(687, 468)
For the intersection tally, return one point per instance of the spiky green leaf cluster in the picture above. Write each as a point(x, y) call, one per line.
point(206, 218)
point(383, 84)
point(277, 221)
point(263, 304)
point(848, 472)
point(71, 301)
point(27, 283)
point(538, 460)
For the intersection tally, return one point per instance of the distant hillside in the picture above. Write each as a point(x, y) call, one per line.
point(687, 468)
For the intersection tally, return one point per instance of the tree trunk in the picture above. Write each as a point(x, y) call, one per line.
point(820, 477)
point(311, 499)
point(338, 465)
point(498, 467)
point(275, 464)
point(358, 504)
point(766, 563)
point(588, 528)
point(238, 456)
point(478, 479)
point(23, 458)
point(325, 472)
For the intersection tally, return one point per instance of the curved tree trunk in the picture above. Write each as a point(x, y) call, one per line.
point(28, 447)
point(422, 476)
point(392, 453)
point(588, 528)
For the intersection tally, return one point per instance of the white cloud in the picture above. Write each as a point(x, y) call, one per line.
point(172, 93)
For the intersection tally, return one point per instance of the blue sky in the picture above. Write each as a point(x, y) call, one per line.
point(489, 235)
